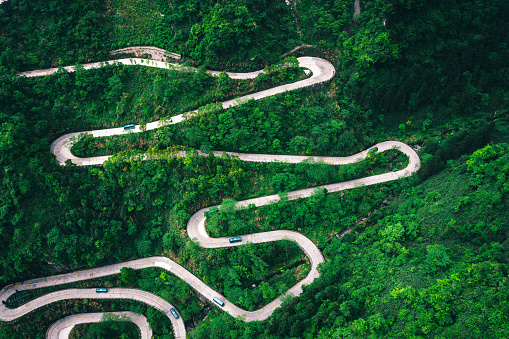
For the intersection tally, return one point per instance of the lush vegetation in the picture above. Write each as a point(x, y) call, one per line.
point(243, 275)
point(426, 256)
point(432, 263)
point(43, 34)
point(277, 124)
point(110, 326)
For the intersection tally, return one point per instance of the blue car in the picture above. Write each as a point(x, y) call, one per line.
point(374, 149)
point(219, 302)
point(130, 126)
point(174, 313)
point(237, 239)
point(101, 290)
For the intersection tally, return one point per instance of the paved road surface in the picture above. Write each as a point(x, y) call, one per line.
point(88, 293)
point(63, 327)
point(196, 231)
point(322, 71)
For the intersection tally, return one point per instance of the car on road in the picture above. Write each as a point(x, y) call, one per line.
point(374, 149)
point(219, 302)
point(175, 315)
point(236, 239)
point(101, 290)
point(130, 126)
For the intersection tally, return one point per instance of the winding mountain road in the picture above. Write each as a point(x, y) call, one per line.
point(322, 71)
point(63, 327)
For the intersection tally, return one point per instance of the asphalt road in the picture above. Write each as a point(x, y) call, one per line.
point(322, 71)
point(63, 327)
point(196, 231)
point(87, 293)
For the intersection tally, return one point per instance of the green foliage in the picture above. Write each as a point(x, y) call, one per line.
point(406, 274)
point(128, 275)
point(255, 127)
point(301, 215)
point(136, 21)
point(462, 142)
point(371, 44)
point(446, 58)
point(437, 258)
point(112, 326)
point(431, 261)
point(225, 30)
point(322, 21)
point(216, 32)
point(66, 33)
point(490, 165)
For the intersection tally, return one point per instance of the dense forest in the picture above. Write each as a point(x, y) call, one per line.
point(421, 257)
point(111, 326)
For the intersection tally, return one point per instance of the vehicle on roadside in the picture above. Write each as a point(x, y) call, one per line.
point(101, 290)
point(236, 239)
point(219, 302)
point(374, 149)
point(175, 315)
point(130, 126)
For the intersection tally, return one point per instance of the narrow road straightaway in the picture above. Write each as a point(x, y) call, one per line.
point(322, 71)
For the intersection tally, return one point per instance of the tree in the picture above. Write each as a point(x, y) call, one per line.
point(128, 275)
point(225, 82)
point(226, 30)
point(112, 326)
point(300, 145)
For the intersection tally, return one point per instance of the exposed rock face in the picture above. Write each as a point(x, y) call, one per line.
point(158, 54)
point(357, 8)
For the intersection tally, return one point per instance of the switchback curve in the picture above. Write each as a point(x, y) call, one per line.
point(61, 328)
